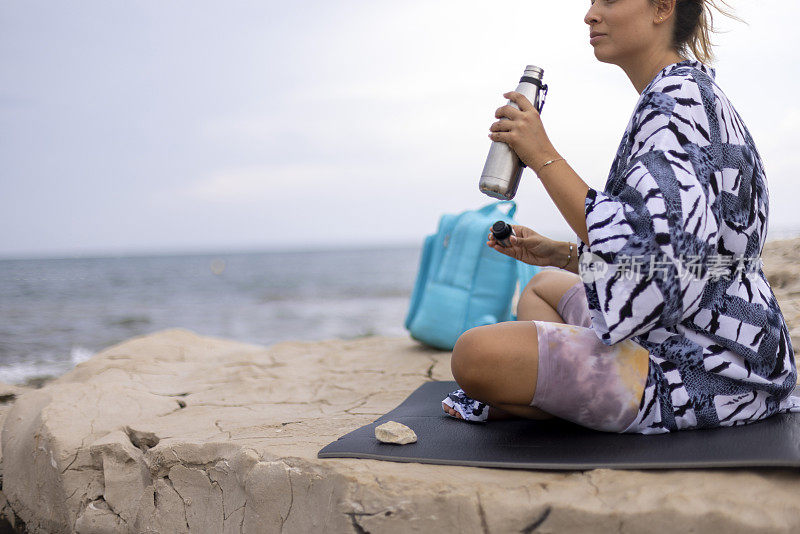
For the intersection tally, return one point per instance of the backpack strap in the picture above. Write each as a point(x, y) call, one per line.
point(490, 207)
point(524, 274)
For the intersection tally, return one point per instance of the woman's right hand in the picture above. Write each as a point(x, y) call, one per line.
point(527, 246)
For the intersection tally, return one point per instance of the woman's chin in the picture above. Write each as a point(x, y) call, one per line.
point(603, 56)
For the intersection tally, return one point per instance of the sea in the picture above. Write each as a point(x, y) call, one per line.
point(56, 313)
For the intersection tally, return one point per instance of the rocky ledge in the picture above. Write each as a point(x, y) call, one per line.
point(176, 432)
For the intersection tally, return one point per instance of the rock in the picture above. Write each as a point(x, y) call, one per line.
point(9, 522)
point(8, 519)
point(8, 392)
point(177, 432)
point(782, 270)
point(8, 395)
point(781, 278)
point(394, 432)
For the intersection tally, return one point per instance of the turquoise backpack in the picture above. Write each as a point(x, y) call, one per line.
point(462, 282)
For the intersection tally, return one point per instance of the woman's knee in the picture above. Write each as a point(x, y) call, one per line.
point(472, 352)
point(497, 363)
point(550, 285)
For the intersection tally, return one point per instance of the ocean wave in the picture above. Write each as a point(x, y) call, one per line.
point(129, 321)
point(21, 373)
point(53, 310)
point(80, 354)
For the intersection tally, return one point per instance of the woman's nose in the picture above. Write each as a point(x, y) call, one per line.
point(591, 17)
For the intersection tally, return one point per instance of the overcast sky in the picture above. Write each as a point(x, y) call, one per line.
point(152, 126)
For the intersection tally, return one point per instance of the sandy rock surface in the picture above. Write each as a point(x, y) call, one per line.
point(782, 268)
point(177, 432)
point(8, 394)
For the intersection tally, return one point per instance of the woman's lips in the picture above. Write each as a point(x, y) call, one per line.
point(595, 38)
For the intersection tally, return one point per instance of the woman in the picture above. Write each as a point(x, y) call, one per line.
point(674, 326)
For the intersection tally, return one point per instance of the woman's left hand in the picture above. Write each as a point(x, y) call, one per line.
point(523, 131)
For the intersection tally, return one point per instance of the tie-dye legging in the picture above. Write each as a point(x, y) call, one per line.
point(583, 380)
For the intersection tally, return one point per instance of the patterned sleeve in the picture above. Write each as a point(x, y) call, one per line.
point(658, 210)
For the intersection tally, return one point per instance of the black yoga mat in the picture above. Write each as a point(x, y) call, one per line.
point(559, 444)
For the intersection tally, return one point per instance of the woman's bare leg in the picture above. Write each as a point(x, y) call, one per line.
point(538, 300)
point(498, 364)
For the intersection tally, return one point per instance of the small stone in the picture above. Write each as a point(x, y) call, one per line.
point(394, 432)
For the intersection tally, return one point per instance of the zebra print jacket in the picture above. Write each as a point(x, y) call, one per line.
point(675, 240)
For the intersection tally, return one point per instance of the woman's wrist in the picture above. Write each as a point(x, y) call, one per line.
point(564, 254)
point(542, 163)
point(547, 164)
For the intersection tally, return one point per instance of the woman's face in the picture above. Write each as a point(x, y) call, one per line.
point(623, 29)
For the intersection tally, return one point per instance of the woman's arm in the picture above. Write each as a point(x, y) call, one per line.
point(523, 131)
point(571, 263)
point(565, 256)
point(529, 246)
point(663, 210)
point(568, 192)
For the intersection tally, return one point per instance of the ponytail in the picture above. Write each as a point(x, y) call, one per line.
point(694, 23)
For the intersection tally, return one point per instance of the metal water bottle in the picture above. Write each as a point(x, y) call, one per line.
point(503, 168)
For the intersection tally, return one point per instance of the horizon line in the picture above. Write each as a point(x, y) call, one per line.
point(202, 251)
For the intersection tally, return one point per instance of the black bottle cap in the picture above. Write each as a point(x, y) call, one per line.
point(501, 230)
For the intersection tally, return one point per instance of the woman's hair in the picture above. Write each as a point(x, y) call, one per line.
point(694, 23)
